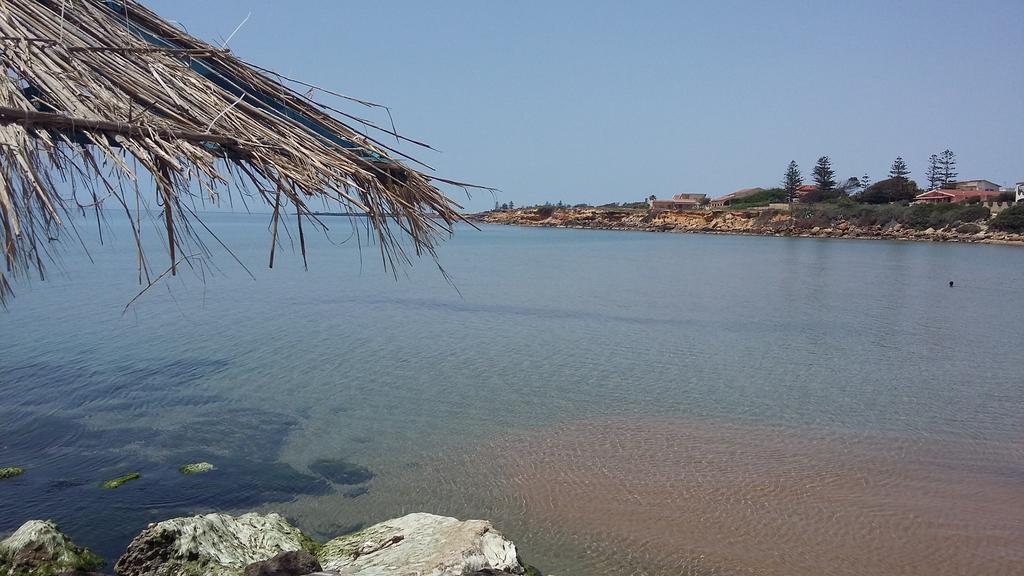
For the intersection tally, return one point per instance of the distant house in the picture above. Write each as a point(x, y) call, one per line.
point(678, 202)
point(983, 185)
point(804, 190)
point(723, 201)
point(951, 196)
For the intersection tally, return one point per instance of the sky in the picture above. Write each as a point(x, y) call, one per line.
point(614, 101)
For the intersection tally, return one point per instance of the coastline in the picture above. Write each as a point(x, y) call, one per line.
point(752, 222)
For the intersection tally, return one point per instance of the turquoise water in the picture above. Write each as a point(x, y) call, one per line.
point(420, 380)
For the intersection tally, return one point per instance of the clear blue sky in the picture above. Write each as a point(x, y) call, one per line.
point(612, 101)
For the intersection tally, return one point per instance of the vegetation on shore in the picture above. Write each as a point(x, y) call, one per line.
point(915, 216)
point(1010, 220)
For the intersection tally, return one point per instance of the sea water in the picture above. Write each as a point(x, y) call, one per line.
point(615, 402)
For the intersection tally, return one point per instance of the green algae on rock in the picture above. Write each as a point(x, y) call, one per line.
point(195, 468)
point(341, 472)
point(39, 548)
point(11, 472)
point(117, 482)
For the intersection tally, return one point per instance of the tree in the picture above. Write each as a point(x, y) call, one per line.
point(947, 168)
point(792, 181)
point(825, 178)
point(899, 173)
point(933, 173)
point(865, 181)
point(889, 190)
point(899, 168)
point(850, 186)
point(511, 205)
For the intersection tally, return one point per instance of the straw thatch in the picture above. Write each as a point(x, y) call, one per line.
point(97, 93)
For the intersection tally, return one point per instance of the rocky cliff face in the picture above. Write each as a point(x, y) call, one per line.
point(267, 545)
point(752, 222)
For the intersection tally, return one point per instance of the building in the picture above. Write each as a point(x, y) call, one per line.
point(804, 190)
point(949, 196)
point(983, 185)
point(723, 201)
point(1020, 191)
point(678, 202)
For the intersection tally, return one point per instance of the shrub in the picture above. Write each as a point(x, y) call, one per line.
point(922, 216)
point(889, 190)
point(1010, 220)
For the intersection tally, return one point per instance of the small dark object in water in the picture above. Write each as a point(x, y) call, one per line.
point(950, 283)
point(341, 472)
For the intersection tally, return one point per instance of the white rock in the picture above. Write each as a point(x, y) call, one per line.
point(214, 545)
point(429, 545)
point(39, 547)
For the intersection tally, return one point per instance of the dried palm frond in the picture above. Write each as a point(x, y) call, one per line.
point(98, 92)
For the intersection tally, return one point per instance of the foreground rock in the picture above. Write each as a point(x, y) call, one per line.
point(422, 544)
point(39, 548)
point(210, 545)
point(267, 545)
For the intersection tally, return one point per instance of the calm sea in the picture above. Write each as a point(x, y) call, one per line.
point(616, 402)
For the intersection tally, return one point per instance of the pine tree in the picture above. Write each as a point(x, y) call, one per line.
point(792, 180)
point(899, 168)
point(933, 173)
point(899, 173)
point(947, 168)
point(865, 181)
point(824, 177)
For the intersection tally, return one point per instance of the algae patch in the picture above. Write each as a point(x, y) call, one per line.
point(116, 482)
point(341, 472)
point(11, 472)
point(195, 468)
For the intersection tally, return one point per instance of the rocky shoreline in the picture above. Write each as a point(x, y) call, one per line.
point(267, 545)
point(742, 222)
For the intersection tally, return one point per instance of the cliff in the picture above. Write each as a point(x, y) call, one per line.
point(823, 222)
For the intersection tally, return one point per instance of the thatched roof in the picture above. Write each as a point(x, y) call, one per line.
point(99, 92)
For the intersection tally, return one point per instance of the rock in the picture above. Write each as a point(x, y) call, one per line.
point(117, 482)
point(11, 472)
point(210, 545)
point(421, 544)
point(195, 468)
point(39, 548)
point(291, 563)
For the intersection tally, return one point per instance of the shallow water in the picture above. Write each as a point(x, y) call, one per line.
point(616, 402)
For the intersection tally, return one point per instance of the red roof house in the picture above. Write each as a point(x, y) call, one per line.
point(945, 196)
